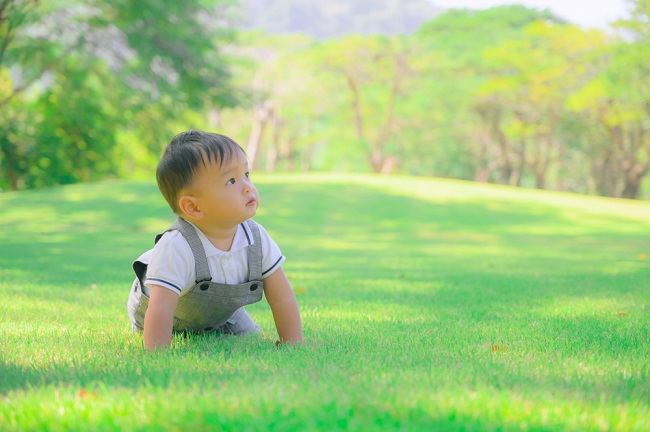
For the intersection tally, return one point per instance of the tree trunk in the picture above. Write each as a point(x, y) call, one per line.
point(604, 173)
point(516, 169)
point(287, 152)
point(388, 165)
point(262, 115)
point(506, 168)
point(272, 153)
point(481, 170)
point(634, 171)
point(632, 185)
point(373, 159)
point(9, 162)
point(214, 118)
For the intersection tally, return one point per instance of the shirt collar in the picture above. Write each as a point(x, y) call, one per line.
point(242, 239)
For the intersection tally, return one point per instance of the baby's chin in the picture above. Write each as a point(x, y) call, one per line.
point(251, 211)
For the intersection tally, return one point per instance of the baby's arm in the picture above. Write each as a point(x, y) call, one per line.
point(284, 307)
point(159, 318)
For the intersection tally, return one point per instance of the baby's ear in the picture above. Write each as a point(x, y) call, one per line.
point(188, 207)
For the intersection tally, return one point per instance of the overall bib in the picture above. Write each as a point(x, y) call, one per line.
point(207, 305)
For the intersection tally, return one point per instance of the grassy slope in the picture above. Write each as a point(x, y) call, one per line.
point(424, 302)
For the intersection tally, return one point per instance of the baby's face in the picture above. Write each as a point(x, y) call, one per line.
point(226, 195)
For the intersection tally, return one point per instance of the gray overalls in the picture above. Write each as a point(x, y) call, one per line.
point(207, 305)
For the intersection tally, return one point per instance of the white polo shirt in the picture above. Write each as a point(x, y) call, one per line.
point(171, 263)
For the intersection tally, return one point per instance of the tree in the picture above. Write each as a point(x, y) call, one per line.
point(147, 52)
point(463, 138)
point(617, 103)
point(522, 103)
point(374, 71)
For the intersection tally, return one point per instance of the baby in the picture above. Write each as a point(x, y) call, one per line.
point(214, 259)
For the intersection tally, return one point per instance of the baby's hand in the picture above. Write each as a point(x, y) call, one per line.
point(279, 343)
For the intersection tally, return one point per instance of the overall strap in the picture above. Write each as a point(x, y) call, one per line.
point(254, 253)
point(202, 270)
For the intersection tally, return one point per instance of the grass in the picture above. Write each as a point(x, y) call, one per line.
point(426, 304)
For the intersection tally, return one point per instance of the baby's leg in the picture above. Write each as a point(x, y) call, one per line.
point(241, 323)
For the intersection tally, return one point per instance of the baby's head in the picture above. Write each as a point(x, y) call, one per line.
point(204, 177)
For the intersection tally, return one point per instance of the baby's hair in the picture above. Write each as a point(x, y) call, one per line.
point(183, 156)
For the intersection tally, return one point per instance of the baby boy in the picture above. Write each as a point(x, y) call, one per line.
point(214, 259)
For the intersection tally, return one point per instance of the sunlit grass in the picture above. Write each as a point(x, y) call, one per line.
point(426, 304)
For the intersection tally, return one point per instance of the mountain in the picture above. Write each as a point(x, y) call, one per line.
point(335, 17)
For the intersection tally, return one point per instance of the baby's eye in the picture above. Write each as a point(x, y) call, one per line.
point(232, 179)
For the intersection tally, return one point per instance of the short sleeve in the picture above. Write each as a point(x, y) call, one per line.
point(171, 264)
point(272, 258)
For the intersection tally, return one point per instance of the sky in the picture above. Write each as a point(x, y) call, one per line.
point(587, 13)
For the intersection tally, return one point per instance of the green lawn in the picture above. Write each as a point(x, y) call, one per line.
point(426, 304)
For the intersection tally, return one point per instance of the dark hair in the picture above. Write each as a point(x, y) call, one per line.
point(183, 156)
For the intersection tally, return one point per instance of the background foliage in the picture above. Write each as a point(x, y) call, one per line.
point(510, 95)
